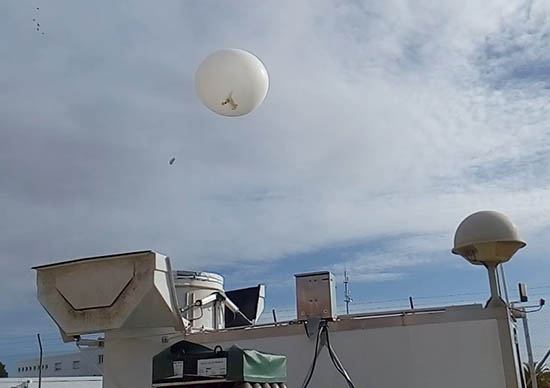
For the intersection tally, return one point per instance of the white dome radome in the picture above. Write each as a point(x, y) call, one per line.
point(487, 237)
point(232, 82)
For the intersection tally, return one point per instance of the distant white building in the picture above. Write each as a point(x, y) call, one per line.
point(87, 362)
point(52, 382)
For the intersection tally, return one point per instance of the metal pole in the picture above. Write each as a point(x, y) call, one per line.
point(502, 275)
point(495, 300)
point(347, 296)
point(215, 317)
point(411, 302)
point(529, 350)
point(40, 362)
point(274, 316)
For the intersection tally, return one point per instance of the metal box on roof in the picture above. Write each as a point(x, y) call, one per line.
point(316, 295)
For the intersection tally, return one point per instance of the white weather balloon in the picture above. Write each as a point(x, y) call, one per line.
point(232, 82)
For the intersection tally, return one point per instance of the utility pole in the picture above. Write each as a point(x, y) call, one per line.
point(40, 363)
point(347, 293)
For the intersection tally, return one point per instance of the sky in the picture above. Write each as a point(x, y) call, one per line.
point(386, 123)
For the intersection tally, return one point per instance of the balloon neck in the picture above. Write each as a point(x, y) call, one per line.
point(229, 100)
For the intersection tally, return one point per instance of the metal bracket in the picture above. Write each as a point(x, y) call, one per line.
point(311, 326)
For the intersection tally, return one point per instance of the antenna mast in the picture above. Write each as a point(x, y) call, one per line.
point(347, 292)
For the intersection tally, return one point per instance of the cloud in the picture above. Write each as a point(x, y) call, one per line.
point(384, 119)
point(391, 259)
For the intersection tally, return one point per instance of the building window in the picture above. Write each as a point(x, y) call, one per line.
point(34, 367)
point(100, 359)
point(46, 366)
point(76, 364)
point(57, 366)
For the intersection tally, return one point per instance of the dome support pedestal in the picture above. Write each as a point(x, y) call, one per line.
point(495, 300)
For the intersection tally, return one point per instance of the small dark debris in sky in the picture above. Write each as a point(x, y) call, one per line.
point(171, 162)
point(37, 23)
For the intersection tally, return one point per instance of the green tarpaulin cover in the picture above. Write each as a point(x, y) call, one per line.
point(254, 366)
point(242, 364)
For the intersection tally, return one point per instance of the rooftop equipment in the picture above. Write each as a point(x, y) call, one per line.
point(316, 304)
point(193, 365)
point(315, 295)
point(250, 301)
point(92, 295)
point(488, 238)
point(192, 289)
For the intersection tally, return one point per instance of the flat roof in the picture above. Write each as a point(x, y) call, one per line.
point(363, 321)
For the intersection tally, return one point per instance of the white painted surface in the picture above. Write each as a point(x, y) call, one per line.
point(450, 355)
point(413, 351)
point(193, 286)
point(127, 291)
point(450, 349)
point(129, 358)
point(112, 275)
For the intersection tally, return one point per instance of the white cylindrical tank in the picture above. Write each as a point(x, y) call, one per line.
point(192, 287)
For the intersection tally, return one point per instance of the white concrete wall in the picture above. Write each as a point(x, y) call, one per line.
point(449, 355)
point(461, 349)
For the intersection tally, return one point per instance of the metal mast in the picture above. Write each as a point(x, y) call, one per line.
point(347, 293)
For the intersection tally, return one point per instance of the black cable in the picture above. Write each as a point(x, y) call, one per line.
point(314, 362)
point(340, 368)
point(336, 361)
point(323, 328)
